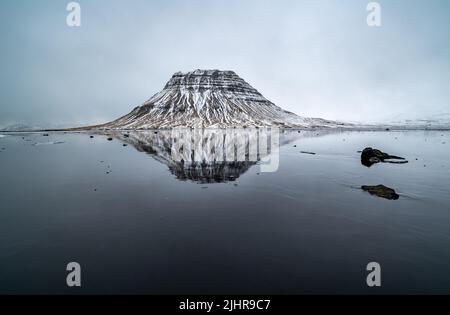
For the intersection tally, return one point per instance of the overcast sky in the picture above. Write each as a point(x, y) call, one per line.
point(316, 58)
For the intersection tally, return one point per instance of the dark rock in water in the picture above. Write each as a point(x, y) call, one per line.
point(371, 156)
point(387, 129)
point(91, 137)
point(110, 139)
point(306, 152)
point(381, 191)
point(45, 135)
point(125, 145)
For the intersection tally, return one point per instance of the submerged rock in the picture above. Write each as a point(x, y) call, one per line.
point(381, 191)
point(371, 156)
point(110, 139)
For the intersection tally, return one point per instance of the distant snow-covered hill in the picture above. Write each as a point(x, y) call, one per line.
point(437, 121)
point(18, 127)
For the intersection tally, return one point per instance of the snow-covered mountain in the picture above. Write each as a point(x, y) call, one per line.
point(210, 99)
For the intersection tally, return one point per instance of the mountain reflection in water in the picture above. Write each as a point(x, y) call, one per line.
point(211, 155)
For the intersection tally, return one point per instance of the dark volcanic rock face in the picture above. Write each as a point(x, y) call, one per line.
point(209, 98)
point(225, 81)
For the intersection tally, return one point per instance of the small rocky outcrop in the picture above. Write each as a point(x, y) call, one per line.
point(381, 191)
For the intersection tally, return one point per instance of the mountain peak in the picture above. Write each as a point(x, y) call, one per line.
point(204, 72)
point(209, 79)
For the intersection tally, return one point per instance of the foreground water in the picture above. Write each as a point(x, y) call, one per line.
point(140, 220)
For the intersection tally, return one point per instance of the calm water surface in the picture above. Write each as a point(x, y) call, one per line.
point(139, 221)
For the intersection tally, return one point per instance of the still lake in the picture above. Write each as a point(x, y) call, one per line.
point(140, 220)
